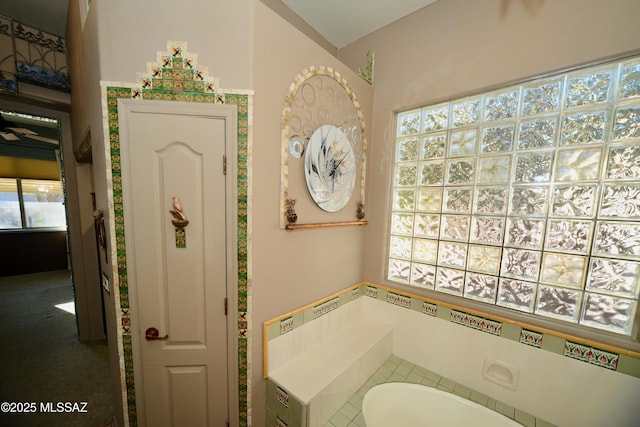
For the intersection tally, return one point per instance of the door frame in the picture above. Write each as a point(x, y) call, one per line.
point(228, 113)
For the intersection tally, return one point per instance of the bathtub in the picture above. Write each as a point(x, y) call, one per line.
point(415, 405)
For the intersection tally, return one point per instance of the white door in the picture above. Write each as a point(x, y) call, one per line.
point(179, 287)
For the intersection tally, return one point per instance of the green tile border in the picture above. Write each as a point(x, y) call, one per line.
point(602, 357)
point(183, 81)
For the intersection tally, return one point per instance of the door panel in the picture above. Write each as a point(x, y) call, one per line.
point(178, 290)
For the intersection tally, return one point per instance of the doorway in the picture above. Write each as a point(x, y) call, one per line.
point(47, 360)
point(180, 230)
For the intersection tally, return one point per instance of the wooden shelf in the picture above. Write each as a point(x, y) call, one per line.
point(324, 224)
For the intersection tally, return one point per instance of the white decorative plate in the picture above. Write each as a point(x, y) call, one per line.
point(330, 168)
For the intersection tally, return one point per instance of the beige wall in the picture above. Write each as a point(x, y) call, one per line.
point(452, 47)
point(290, 268)
point(460, 47)
point(247, 46)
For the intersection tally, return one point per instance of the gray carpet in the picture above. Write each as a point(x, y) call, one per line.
point(43, 362)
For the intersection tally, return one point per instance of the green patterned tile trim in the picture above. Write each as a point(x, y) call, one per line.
point(177, 77)
point(242, 101)
point(545, 341)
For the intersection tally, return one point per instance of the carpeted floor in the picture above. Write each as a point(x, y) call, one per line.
point(42, 362)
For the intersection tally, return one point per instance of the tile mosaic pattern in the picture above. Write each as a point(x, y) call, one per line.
point(177, 76)
point(396, 369)
point(532, 192)
point(517, 294)
point(591, 355)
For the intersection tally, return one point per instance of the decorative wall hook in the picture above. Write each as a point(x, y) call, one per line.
point(179, 218)
point(180, 221)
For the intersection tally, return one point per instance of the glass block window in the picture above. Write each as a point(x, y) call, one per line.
point(527, 197)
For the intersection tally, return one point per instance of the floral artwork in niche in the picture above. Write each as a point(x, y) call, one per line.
point(330, 168)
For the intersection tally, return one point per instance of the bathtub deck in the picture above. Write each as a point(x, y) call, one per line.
point(396, 369)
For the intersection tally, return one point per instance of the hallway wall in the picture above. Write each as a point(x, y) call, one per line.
point(247, 46)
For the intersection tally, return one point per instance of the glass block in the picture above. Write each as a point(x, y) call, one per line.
point(457, 200)
point(433, 147)
point(423, 275)
point(407, 150)
point(399, 270)
point(565, 270)
point(465, 113)
point(520, 264)
point(559, 303)
point(400, 247)
point(406, 175)
point(584, 128)
point(626, 123)
point(573, 200)
point(629, 86)
point(484, 259)
point(529, 200)
point(537, 134)
point(589, 89)
point(569, 236)
point(533, 167)
point(450, 281)
point(525, 232)
point(402, 223)
point(452, 254)
point(427, 226)
point(491, 200)
point(497, 139)
point(620, 201)
point(432, 173)
point(614, 277)
point(460, 171)
point(435, 118)
point(429, 199)
point(481, 287)
point(541, 97)
point(487, 229)
point(578, 164)
point(624, 162)
point(608, 312)
point(404, 199)
point(455, 227)
point(425, 250)
point(501, 106)
point(517, 294)
point(463, 143)
point(494, 170)
point(617, 238)
point(409, 123)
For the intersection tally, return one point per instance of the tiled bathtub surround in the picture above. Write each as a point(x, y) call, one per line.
point(437, 336)
point(396, 369)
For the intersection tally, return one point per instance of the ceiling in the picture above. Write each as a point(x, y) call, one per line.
point(340, 22)
point(343, 22)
